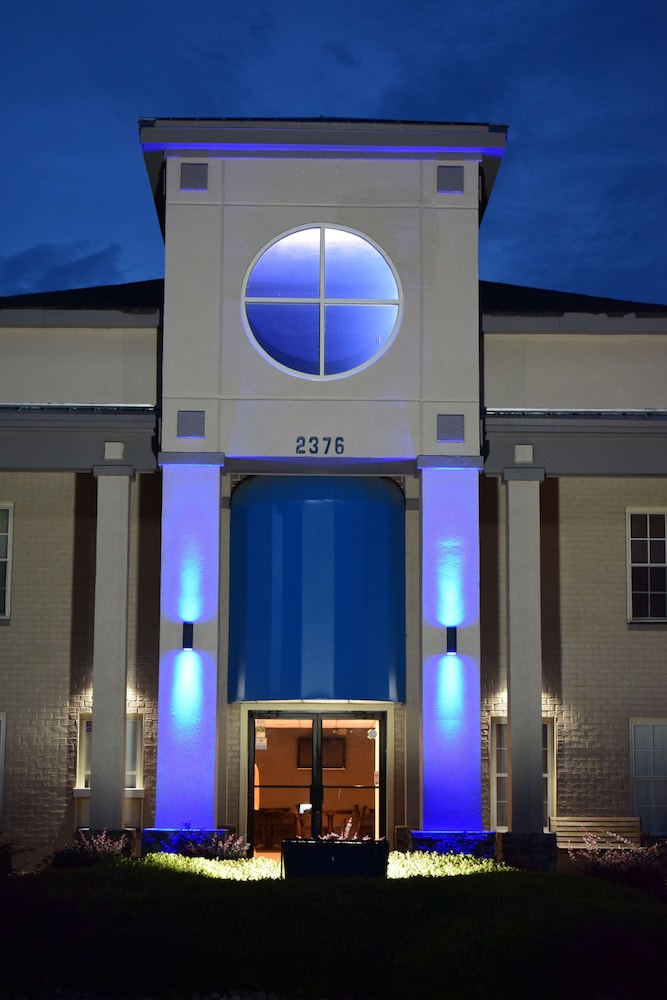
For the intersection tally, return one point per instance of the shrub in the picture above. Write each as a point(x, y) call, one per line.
point(430, 864)
point(89, 848)
point(401, 866)
point(6, 855)
point(629, 864)
point(239, 870)
point(205, 844)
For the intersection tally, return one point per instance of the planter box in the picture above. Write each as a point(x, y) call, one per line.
point(347, 858)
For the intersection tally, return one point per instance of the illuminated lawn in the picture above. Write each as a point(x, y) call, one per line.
point(156, 928)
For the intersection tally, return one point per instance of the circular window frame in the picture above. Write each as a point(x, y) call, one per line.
point(322, 300)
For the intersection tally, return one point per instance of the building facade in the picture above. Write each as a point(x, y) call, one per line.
point(322, 531)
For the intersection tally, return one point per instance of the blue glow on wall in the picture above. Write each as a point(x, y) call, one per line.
point(451, 684)
point(187, 689)
point(186, 763)
point(371, 151)
point(186, 741)
point(452, 773)
point(449, 573)
point(451, 546)
point(189, 574)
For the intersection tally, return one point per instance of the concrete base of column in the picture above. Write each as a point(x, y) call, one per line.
point(533, 851)
point(481, 844)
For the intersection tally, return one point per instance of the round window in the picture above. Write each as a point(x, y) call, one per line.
point(322, 302)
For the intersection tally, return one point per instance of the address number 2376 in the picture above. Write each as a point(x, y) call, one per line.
point(316, 445)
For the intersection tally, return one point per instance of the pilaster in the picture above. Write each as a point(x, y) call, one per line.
point(525, 647)
point(107, 778)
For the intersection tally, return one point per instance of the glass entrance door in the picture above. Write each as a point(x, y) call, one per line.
point(315, 773)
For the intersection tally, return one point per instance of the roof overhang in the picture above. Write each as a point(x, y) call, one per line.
point(322, 138)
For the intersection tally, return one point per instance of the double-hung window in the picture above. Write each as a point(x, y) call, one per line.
point(647, 565)
point(501, 777)
point(3, 727)
point(133, 751)
point(648, 750)
point(6, 520)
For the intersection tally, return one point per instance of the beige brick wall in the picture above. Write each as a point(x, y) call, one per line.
point(598, 672)
point(610, 671)
point(35, 652)
point(46, 648)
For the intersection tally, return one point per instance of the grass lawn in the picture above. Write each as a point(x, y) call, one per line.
point(134, 929)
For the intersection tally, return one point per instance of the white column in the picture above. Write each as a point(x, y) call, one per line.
point(452, 788)
point(524, 680)
point(107, 775)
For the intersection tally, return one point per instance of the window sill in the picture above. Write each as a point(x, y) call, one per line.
point(130, 793)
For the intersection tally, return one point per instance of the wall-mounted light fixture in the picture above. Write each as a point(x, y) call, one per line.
point(188, 634)
point(451, 639)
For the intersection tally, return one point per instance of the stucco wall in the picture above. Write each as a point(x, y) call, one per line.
point(79, 365)
point(574, 362)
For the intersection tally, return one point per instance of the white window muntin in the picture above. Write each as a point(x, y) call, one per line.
point(651, 563)
point(322, 301)
point(500, 775)
point(6, 530)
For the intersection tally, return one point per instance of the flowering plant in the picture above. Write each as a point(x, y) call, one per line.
point(629, 863)
point(90, 847)
point(205, 844)
point(346, 834)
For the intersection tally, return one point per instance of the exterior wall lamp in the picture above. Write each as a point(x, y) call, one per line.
point(188, 634)
point(451, 640)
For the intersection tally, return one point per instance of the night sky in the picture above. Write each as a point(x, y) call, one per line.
point(580, 203)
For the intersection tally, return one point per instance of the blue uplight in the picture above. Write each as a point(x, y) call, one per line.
point(187, 689)
point(186, 743)
point(190, 536)
point(450, 573)
point(451, 546)
point(452, 768)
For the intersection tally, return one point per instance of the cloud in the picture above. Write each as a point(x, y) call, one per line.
point(58, 266)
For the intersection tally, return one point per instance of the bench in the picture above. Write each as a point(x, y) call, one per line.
point(571, 830)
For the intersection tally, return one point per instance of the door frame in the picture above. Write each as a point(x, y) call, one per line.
point(304, 708)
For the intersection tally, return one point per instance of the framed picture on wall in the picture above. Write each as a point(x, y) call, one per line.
point(333, 751)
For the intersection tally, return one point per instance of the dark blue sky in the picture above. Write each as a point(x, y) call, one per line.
point(580, 203)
